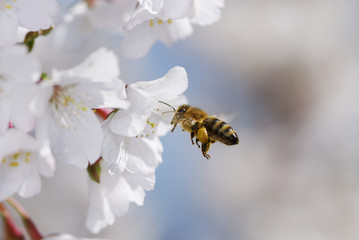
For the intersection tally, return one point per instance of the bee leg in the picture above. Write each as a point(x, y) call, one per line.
point(202, 136)
point(194, 131)
point(197, 143)
point(174, 127)
point(205, 148)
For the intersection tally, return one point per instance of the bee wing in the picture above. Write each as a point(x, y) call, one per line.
point(227, 117)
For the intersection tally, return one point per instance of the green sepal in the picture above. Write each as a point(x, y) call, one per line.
point(94, 171)
point(30, 37)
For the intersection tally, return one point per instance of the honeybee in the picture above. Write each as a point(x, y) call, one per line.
point(205, 128)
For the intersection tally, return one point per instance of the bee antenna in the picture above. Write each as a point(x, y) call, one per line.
point(168, 105)
point(167, 112)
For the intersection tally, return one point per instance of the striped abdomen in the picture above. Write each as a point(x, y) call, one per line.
point(221, 131)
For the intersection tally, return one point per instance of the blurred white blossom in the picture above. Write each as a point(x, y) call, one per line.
point(32, 15)
point(167, 21)
point(19, 72)
point(21, 165)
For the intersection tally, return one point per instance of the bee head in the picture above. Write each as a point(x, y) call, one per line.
point(179, 115)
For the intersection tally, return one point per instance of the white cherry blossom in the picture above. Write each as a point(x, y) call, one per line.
point(144, 108)
point(113, 195)
point(167, 21)
point(21, 165)
point(131, 149)
point(145, 27)
point(82, 31)
point(33, 15)
point(68, 123)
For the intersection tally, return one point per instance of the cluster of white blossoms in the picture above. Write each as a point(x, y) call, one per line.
point(62, 101)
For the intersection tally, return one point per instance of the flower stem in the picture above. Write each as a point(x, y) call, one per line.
point(12, 232)
point(29, 224)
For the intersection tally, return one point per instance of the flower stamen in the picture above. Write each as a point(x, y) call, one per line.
point(159, 21)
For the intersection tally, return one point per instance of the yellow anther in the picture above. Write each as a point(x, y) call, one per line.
point(27, 155)
point(84, 109)
point(151, 124)
point(13, 164)
point(67, 100)
point(8, 6)
point(16, 155)
point(151, 23)
point(159, 21)
point(3, 160)
point(169, 21)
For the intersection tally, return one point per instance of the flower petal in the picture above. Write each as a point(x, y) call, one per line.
point(207, 11)
point(8, 28)
point(132, 121)
point(174, 9)
point(114, 151)
point(10, 180)
point(79, 143)
point(174, 83)
point(35, 15)
point(15, 58)
point(139, 40)
point(177, 30)
point(5, 112)
point(101, 66)
point(99, 213)
point(31, 184)
point(153, 6)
